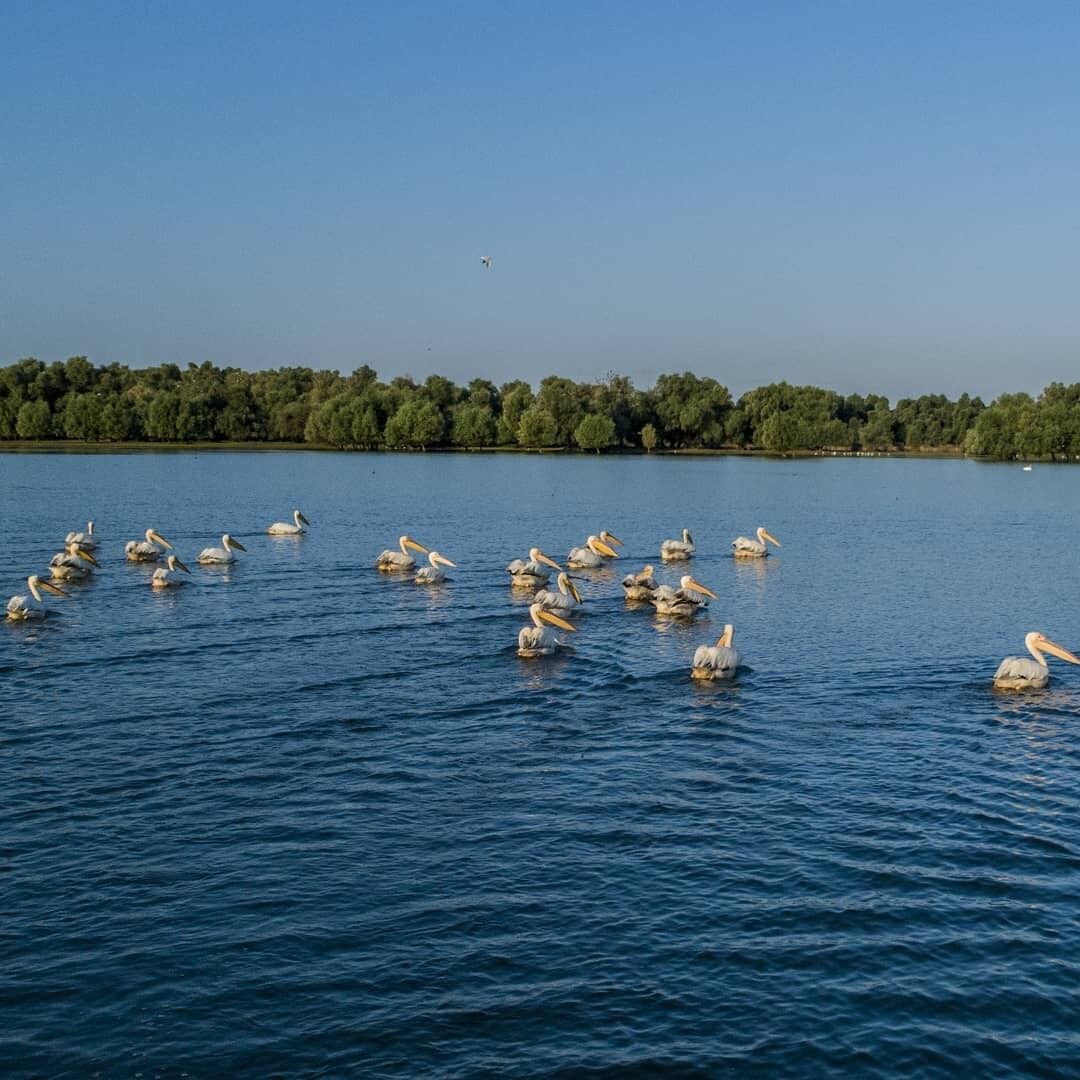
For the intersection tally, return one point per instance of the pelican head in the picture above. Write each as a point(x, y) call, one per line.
point(405, 542)
point(566, 584)
point(763, 534)
point(36, 583)
point(81, 553)
point(687, 538)
point(439, 560)
point(1038, 643)
point(601, 547)
point(540, 616)
point(536, 555)
point(688, 583)
point(154, 537)
point(229, 544)
point(299, 519)
point(610, 538)
point(175, 564)
point(727, 637)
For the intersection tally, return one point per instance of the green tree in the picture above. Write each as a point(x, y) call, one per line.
point(595, 432)
point(34, 420)
point(474, 425)
point(83, 416)
point(648, 438)
point(537, 428)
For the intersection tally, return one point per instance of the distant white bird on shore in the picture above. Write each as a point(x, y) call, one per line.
point(486, 260)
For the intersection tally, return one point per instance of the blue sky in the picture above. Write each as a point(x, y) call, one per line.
point(843, 194)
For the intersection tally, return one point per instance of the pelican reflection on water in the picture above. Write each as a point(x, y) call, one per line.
point(1031, 673)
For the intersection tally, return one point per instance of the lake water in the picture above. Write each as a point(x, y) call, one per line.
point(300, 818)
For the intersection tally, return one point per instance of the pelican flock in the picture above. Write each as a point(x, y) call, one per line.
point(566, 599)
point(285, 528)
point(685, 601)
point(530, 573)
point(147, 550)
point(640, 586)
point(677, 550)
point(595, 552)
point(86, 540)
point(745, 548)
point(72, 564)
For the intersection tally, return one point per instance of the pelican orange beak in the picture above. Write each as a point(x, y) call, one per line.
point(772, 539)
point(605, 549)
point(86, 556)
point(725, 638)
point(554, 619)
point(182, 567)
point(573, 590)
point(1059, 651)
point(157, 538)
point(236, 544)
point(304, 519)
point(610, 538)
point(550, 562)
point(48, 586)
point(698, 587)
point(444, 560)
point(410, 542)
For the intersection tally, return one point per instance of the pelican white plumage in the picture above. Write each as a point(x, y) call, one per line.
point(745, 548)
point(563, 601)
point(432, 575)
point(486, 261)
point(677, 550)
point(20, 608)
point(397, 561)
point(86, 540)
point(223, 554)
point(595, 553)
point(538, 639)
point(168, 578)
point(719, 662)
point(146, 550)
point(1024, 673)
point(684, 602)
point(530, 574)
point(71, 563)
point(640, 586)
point(283, 528)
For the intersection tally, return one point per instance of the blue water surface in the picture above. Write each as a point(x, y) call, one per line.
point(303, 819)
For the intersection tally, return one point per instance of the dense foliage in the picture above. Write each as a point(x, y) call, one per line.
point(76, 400)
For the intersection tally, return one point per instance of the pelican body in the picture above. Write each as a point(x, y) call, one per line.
point(23, 608)
point(640, 586)
point(1025, 673)
point(719, 662)
point(283, 528)
point(684, 602)
point(563, 601)
point(538, 639)
point(530, 574)
point(677, 550)
point(222, 555)
point(72, 564)
point(398, 561)
point(745, 548)
point(146, 550)
point(169, 578)
point(85, 540)
point(431, 574)
point(597, 550)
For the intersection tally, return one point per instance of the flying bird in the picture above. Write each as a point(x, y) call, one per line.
point(486, 260)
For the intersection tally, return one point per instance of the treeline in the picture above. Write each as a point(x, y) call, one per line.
point(76, 400)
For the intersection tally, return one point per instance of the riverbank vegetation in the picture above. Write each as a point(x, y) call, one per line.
point(76, 400)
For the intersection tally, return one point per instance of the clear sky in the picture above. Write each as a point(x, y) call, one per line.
point(855, 195)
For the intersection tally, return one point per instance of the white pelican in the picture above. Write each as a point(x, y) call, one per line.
point(85, 540)
point(538, 639)
point(146, 550)
point(400, 560)
point(597, 549)
point(31, 607)
point(432, 575)
point(677, 550)
point(684, 602)
point(67, 565)
point(718, 662)
point(1022, 673)
point(563, 601)
point(745, 548)
point(169, 579)
point(223, 554)
point(530, 574)
point(639, 586)
point(283, 528)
